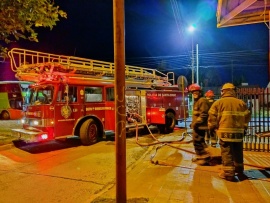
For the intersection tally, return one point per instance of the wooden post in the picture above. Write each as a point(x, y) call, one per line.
point(120, 107)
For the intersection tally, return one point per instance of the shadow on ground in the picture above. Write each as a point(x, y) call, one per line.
point(35, 148)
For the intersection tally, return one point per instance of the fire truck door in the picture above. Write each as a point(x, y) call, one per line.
point(67, 111)
point(109, 122)
point(64, 119)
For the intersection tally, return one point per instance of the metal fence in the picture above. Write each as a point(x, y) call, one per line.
point(258, 101)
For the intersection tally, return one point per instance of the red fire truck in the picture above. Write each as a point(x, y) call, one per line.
point(74, 96)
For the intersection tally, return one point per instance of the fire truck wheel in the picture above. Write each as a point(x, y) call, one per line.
point(89, 132)
point(5, 115)
point(161, 128)
point(169, 122)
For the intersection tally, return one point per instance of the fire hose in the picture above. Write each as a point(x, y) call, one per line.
point(169, 143)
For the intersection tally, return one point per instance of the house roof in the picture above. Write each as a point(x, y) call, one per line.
point(242, 12)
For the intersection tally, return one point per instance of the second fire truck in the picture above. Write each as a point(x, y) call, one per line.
point(74, 96)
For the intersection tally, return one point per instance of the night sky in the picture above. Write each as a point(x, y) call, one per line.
point(156, 36)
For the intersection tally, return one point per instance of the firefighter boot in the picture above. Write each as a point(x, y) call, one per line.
point(202, 160)
point(225, 176)
point(240, 173)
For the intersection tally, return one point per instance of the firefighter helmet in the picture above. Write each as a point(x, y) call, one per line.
point(194, 87)
point(209, 93)
point(228, 86)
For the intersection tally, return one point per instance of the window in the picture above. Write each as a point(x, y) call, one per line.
point(67, 93)
point(41, 95)
point(16, 103)
point(93, 94)
point(110, 94)
point(10, 87)
point(72, 94)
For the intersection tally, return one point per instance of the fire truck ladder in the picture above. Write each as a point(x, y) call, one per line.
point(36, 66)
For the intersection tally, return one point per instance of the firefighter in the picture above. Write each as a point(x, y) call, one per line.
point(199, 125)
point(210, 135)
point(229, 117)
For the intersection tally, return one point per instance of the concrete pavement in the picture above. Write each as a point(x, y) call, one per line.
point(166, 174)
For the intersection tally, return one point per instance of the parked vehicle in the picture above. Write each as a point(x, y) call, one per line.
point(75, 96)
point(13, 98)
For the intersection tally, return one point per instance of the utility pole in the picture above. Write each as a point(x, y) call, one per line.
point(191, 30)
point(192, 61)
point(197, 63)
point(120, 105)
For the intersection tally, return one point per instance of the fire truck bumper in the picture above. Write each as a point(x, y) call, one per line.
point(29, 135)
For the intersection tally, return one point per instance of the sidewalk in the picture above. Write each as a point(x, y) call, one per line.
point(171, 177)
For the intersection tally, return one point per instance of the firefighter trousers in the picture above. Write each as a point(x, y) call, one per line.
point(211, 137)
point(199, 141)
point(232, 157)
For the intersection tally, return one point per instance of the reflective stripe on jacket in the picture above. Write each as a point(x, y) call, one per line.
point(229, 116)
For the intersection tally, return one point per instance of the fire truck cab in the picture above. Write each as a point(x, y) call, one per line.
point(73, 96)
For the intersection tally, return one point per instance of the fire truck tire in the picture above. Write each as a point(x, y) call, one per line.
point(89, 132)
point(161, 128)
point(169, 122)
point(5, 115)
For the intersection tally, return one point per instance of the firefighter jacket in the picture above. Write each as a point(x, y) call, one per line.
point(229, 116)
point(200, 114)
point(211, 101)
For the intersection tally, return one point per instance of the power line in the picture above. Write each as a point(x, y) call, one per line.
point(218, 59)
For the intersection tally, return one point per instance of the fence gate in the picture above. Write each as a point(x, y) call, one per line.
point(258, 102)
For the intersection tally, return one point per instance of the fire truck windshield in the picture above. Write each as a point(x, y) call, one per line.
point(41, 95)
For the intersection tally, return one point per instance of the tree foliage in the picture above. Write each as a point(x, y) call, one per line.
point(19, 18)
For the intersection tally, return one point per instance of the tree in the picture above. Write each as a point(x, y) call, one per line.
point(19, 18)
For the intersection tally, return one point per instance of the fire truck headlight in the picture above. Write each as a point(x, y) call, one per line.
point(35, 122)
point(23, 121)
point(44, 136)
